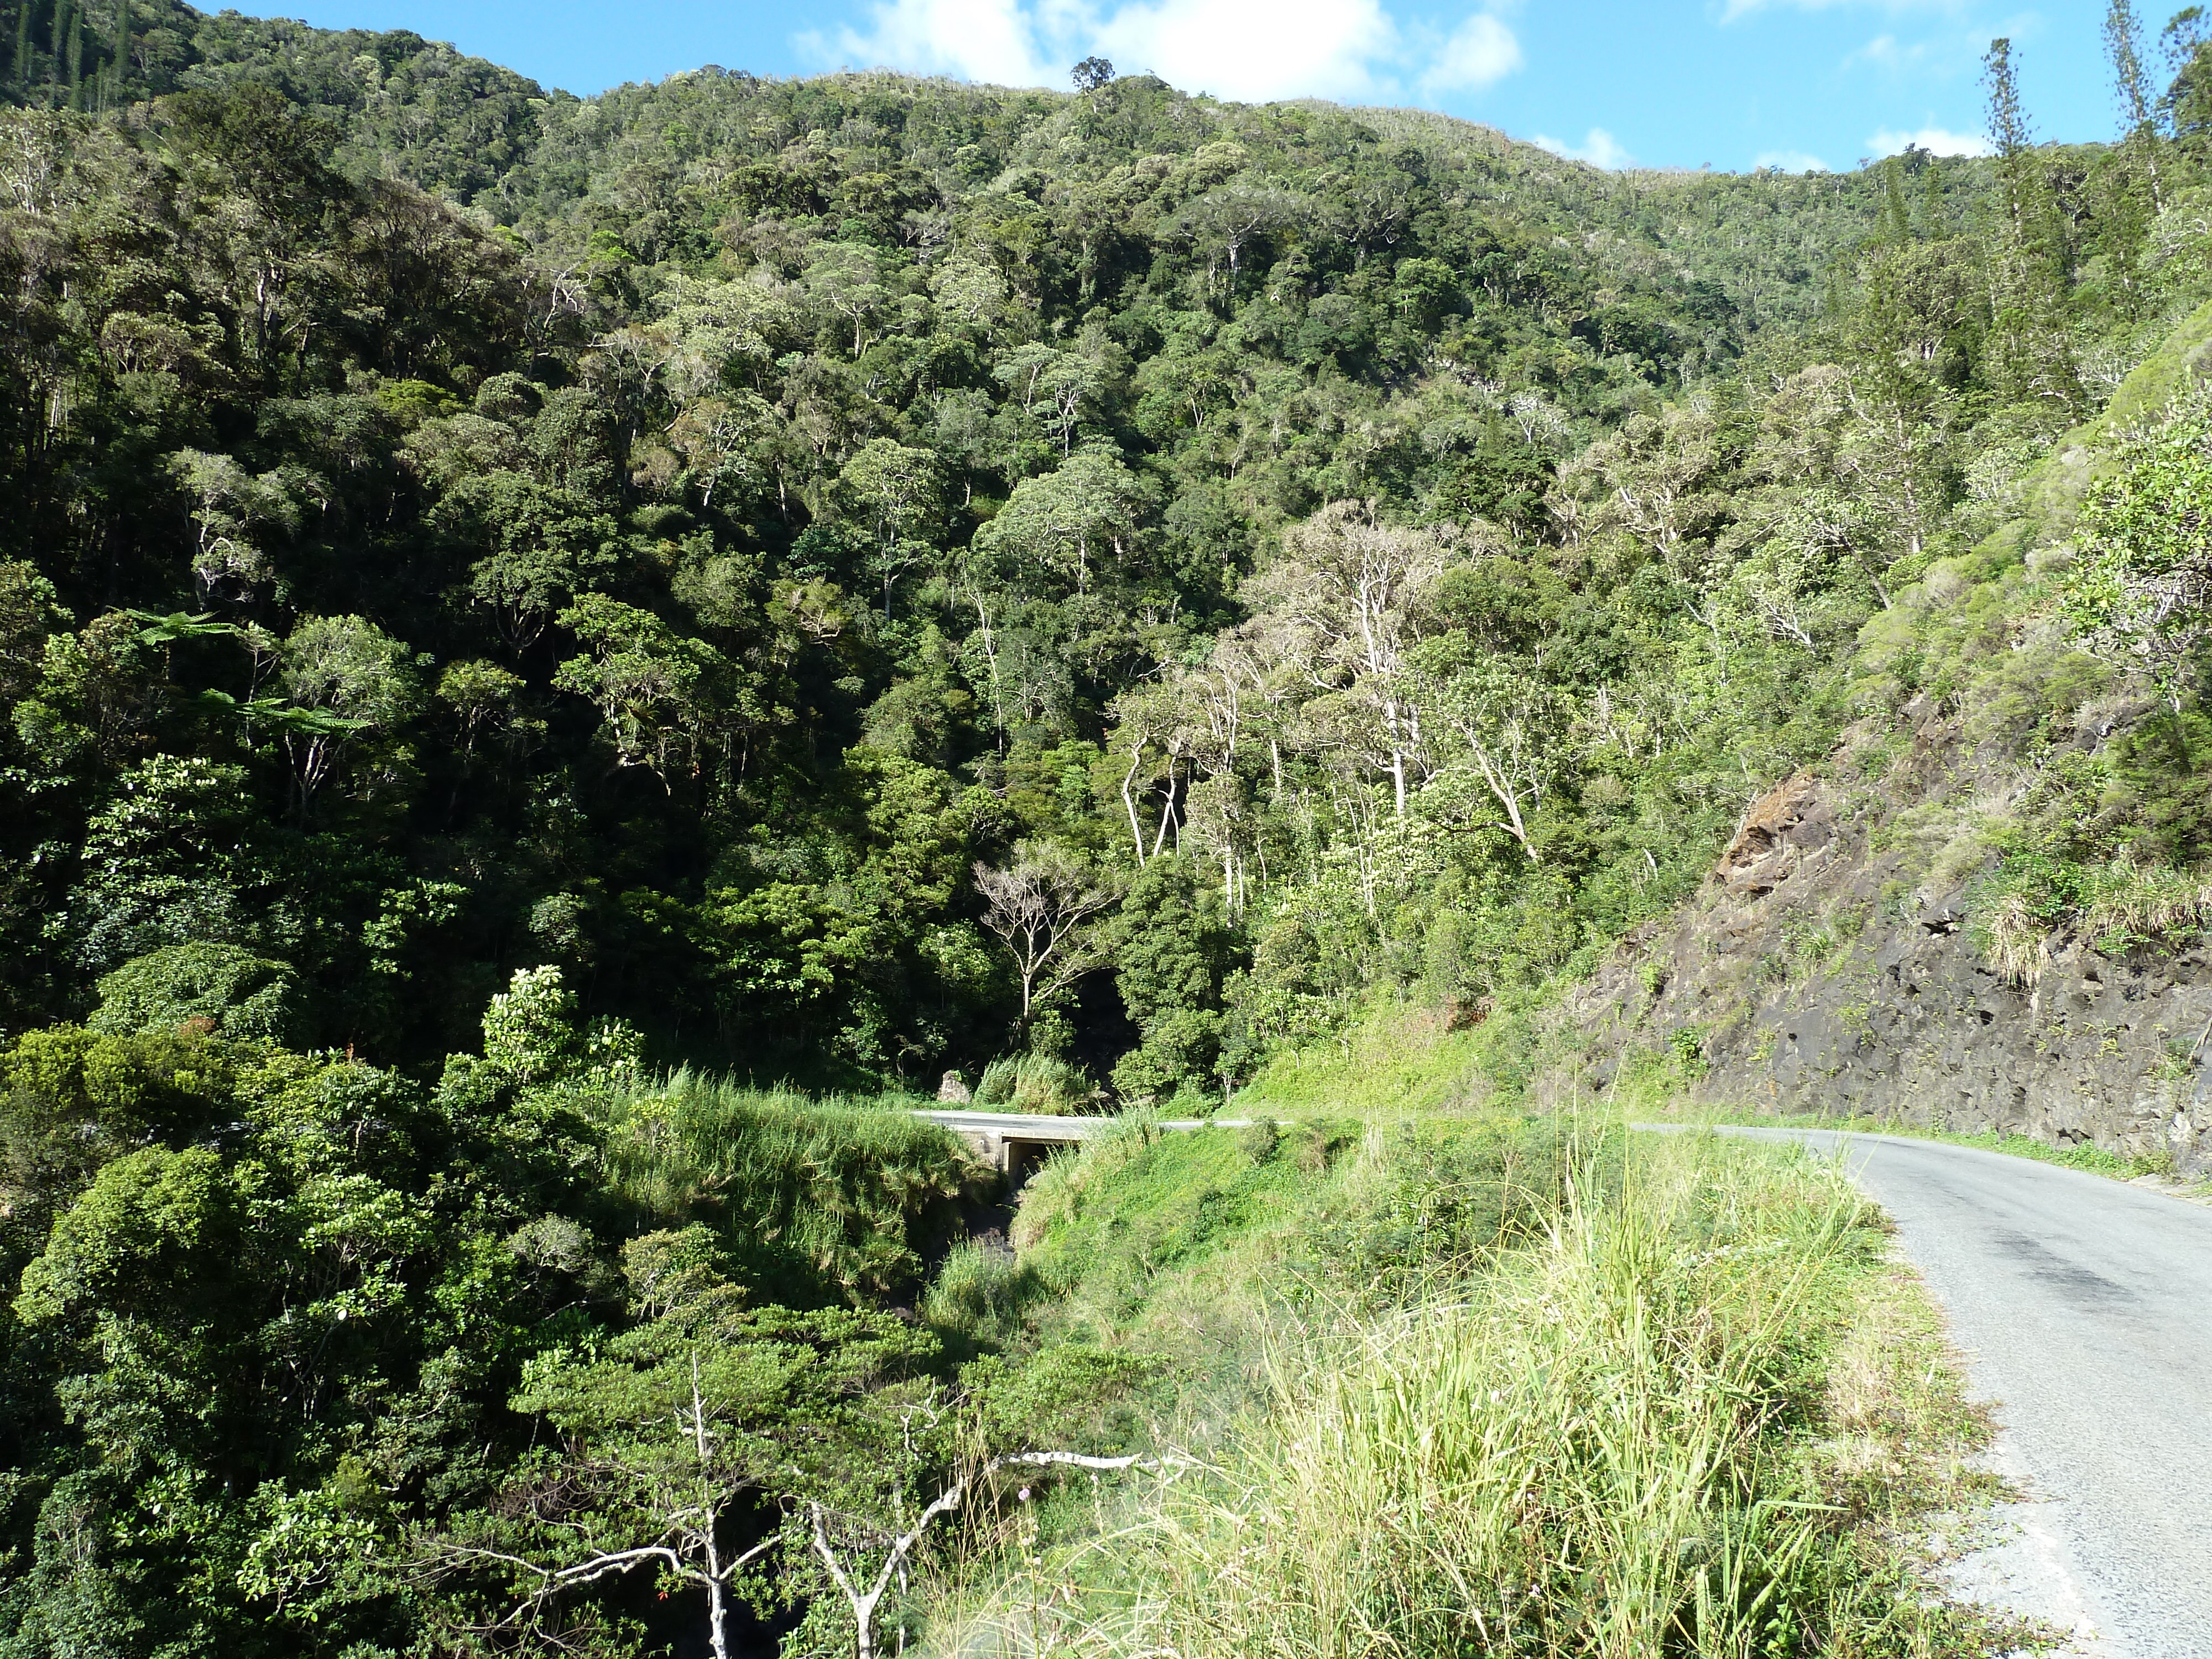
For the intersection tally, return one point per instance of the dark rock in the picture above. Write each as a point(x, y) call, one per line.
point(1893, 1012)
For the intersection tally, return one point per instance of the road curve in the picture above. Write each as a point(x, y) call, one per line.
point(2084, 1307)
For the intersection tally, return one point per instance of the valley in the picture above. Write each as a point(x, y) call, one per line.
point(862, 864)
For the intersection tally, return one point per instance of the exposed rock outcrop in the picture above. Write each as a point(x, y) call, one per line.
point(1829, 965)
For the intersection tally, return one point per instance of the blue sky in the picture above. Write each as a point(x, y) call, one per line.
point(1737, 83)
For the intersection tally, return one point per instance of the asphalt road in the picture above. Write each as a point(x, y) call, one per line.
point(2084, 1307)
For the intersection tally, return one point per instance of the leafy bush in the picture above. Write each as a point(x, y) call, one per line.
point(224, 988)
point(816, 1198)
point(530, 1029)
point(1176, 1061)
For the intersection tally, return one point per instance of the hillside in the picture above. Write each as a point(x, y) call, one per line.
point(1983, 913)
point(749, 544)
point(566, 660)
point(679, 535)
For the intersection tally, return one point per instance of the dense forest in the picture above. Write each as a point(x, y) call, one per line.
point(516, 609)
point(679, 536)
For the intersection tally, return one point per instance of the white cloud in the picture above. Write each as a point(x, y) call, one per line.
point(1253, 50)
point(1600, 149)
point(1945, 55)
point(1790, 161)
point(1884, 53)
point(1481, 51)
point(1941, 141)
point(1248, 50)
point(990, 41)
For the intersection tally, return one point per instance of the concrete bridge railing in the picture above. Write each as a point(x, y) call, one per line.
point(1016, 1142)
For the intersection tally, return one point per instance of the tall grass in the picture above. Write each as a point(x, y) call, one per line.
point(1409, 1197)
point(2110, 907)
point(980, 1293)
point(1040, 1084)
point(1598, 1449)
point(818, 1197)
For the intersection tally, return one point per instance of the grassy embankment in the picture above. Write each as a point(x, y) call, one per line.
point(1394, 1059)
point(1453, 1382)
point(1480, 1385)
point(820, 1197)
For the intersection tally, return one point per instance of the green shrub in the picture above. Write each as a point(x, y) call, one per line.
point(227, 989)
point(1258, 1141)
point(530, 1029)
point(1687, 1047)
point(816, 1198)
point(1176, 1059)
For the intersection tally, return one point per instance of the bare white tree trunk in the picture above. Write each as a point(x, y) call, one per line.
point(863, 1603)
point(1128, 800)
point(1167, 810)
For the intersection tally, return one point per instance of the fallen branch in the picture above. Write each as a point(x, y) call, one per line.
point(863, 1603)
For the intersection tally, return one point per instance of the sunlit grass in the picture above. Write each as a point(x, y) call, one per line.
point(1674, 1424)
point(819, 1195)
point(2072, 1155)
point(1393, 1059)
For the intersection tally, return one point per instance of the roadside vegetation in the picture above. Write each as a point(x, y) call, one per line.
point(1689, 1404)
point(565, 661)
point(2072, 1155)
point(603, 1361)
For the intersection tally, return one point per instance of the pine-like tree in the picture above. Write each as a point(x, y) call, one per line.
point(2138, 105)
point(2031, 359)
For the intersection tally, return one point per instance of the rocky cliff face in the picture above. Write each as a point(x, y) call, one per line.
point(1829, 965)
point(1832, 960)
